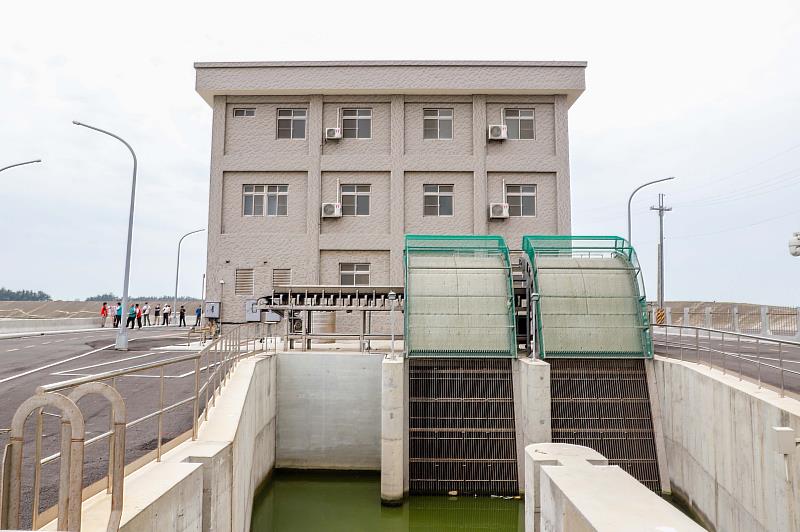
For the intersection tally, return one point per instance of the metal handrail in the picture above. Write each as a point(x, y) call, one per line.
point(218, 359)
point(714, 334)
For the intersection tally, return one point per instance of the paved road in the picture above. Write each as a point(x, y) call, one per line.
point(30, 361)
point(748, 352)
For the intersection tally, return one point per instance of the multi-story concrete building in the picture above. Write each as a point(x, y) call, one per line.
point(415, 157)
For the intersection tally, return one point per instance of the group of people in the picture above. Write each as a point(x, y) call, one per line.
point(139, 315)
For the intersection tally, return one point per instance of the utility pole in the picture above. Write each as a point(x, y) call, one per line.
point(661, 210)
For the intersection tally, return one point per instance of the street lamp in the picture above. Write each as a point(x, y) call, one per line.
point(637, 189)
point(20, 164)
point(794, 245)
point(122, 332)
point(178, 268)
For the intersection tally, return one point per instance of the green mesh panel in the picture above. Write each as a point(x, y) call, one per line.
point(458, 297)
point(591, 297)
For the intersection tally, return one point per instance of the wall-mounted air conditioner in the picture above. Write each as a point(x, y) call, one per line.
point(498, 132)
point(331, 210)
point(333, 133)
point(498, 210)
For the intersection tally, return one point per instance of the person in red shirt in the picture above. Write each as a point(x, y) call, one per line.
point(103, 314)
point(138, 316)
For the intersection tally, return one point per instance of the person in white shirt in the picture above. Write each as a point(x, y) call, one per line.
point(146, 313)
point(166, 312)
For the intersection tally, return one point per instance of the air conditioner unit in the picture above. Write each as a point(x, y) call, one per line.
point(498, 210)
point(498, 132)
point(331, 210)
point(333, 133)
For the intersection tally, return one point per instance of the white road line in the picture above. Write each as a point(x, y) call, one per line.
point(24, 373)
point(45, 343)
point(15, 349)
point(29, 346)
point(102, 364)
point(56, 341)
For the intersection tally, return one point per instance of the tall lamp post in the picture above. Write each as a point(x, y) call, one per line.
point(637, 189)
point(122, 332)
point(20, 164)
point(178, 269)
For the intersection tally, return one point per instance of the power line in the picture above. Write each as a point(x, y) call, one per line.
point(685, 237)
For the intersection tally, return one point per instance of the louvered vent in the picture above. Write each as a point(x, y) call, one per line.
point(245, 284)
point(281, 277)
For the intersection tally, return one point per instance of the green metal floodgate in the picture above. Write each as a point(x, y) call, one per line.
point(458, 297)
point(591, 300)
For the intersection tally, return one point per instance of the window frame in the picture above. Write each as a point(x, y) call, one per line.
point(253, 194)
point(356, 194)
point(354, 271)
point(519, 119)
point(278, 194)
point(520, 195)
point(357, 118)
point(438, 119)
point(292, 119)
point(438, 195)
point(246, 112)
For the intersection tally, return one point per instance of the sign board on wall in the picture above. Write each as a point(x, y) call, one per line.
point(251, 310)
point(212, 309)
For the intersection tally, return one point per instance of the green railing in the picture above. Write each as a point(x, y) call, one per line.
point(588, 247)
point(469, 313)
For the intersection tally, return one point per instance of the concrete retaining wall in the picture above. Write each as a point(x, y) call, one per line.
point(13, 326)
point(209, 483)
point(722, 449)
point(329, 410)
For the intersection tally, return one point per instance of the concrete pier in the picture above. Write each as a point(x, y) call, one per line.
point(393, 464)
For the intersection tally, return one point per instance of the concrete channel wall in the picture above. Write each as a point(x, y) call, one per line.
point(722, 449)
point(329, 410)
point(209, 483)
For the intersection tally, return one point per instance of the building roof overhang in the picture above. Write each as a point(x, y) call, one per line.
point(390, 77)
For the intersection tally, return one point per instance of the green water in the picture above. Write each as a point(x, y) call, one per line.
point(350, 502)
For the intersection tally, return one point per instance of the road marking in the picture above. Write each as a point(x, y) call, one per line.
point(24, 373)
point(56, 341)
point(102, 364)
point(45, 343)
point(29, 346)
point(15, 349)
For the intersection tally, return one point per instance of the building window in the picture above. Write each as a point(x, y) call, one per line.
point(353, 274)
point(437, 200)
point(277, 198)
point(245, 283)
point(253, 200)
point(355, 200)
point(281, 277)
point(519, 123)
point(244, 111)
point(521, 200)
point(357, 123)
point(291, 123)
point(437, 124)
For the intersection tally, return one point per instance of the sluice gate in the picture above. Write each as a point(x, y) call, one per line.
point(461, 427)
point(460, 340)
point(605, 405)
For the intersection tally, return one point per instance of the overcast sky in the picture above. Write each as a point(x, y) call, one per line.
point(706, 91)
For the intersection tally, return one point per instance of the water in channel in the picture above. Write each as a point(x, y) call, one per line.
point(302, 501)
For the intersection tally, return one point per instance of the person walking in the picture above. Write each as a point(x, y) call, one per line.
point(158, 312)
point(197, 314)
point(182, 314)
point(131, 316)
point(118, 315)
point(146, 313)
point(138, 315)
point(103, 314)
point(166, 312)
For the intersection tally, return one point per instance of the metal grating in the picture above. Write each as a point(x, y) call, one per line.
point(605, 405)
point(461, 427)
point(245, 282)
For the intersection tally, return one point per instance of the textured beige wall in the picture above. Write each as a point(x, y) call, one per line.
point(460, 144)
point(396, 162)
point(458, 224)
point(250, 134)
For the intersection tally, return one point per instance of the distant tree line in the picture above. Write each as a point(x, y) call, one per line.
point(112, 297)
point(23, 295)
